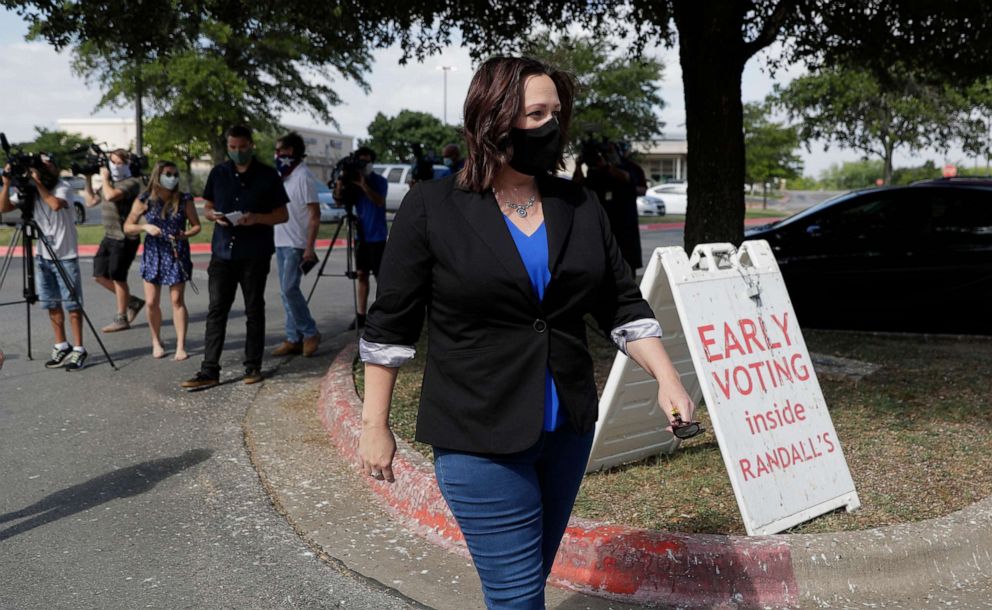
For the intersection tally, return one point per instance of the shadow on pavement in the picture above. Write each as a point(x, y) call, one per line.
point(122, 483)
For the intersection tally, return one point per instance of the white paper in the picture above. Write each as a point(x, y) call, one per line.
point(233, 217)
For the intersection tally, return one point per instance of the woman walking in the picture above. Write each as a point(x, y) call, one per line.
point(170, 220)
point(506, 260)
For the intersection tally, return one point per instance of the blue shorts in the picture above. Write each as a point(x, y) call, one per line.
point(52, 290)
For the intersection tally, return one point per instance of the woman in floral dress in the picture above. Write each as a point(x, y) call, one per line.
point(170, 219)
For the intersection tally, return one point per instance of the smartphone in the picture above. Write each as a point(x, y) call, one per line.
point(306, 266)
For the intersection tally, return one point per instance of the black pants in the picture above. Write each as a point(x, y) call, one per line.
point(225, 277)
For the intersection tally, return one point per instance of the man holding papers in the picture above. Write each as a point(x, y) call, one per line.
point(245, 198)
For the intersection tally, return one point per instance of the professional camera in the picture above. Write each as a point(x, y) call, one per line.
point(593, 151)
point(19, 169)
point(348, 170)
point(423, 165)
point(92, 160)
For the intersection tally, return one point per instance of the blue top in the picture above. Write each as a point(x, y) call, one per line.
point(533, 251)
point(372, 218)
point(259, 190)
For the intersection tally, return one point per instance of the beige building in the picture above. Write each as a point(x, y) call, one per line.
point(665, 159)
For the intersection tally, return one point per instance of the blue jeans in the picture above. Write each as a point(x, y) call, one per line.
point(53, 292)
point(513, 510)
point(299, 322)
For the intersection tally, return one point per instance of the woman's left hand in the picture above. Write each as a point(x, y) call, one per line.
point(672, 398)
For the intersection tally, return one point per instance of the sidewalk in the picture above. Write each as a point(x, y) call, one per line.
point(945, 562)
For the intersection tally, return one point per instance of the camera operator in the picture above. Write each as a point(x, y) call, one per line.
point(55, 218)
point(117, 249)
point(370, 208)
point(615, 188)
point(244, 198)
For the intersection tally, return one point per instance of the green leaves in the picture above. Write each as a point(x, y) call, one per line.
point(392, 138)
point(769, 147)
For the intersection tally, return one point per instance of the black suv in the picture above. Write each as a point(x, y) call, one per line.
point(916, 258)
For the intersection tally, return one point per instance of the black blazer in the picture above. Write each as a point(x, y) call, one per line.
point(490, 340)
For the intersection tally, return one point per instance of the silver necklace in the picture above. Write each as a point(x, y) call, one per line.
point(522, 208)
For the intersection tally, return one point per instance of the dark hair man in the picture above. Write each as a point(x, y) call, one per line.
point(117, 249)
point(452, 157)
point(295, 244)
point(55, 218)
point(244, 198)
point(370, 240)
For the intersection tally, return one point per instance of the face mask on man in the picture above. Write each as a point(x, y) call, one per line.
point(285, 164)
point(240, 157)
point(169, 181)
point(535, 151)
point(367, 169)
point(119, 172)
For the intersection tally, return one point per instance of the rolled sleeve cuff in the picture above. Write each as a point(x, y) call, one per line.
point(384, 354)
point(632, 331)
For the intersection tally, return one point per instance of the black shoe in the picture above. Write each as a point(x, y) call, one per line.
point(75, 361)
point(58, 357)
point(200, 381)
point(253, 375)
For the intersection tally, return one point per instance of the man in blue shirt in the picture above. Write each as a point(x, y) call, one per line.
point(370, 239)
point(245, 198)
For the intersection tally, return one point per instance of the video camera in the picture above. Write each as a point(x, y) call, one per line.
point(348, 170)
point(93, 159)
point(423, 165)
point(19, 169)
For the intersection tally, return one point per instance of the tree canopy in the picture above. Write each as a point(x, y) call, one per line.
point(617, 96)
point(874, 116)
point(770, 146)
point(392, 138)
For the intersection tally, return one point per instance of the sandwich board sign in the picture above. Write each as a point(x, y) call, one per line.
point(753, 369)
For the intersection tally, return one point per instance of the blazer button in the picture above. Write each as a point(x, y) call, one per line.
point(540, 325)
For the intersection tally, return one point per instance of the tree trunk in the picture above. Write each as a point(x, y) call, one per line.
point(887, 171)
point(712, 54)
point(139, 130)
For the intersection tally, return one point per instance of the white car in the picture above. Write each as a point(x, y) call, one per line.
point(398, 177)
point(649, 205)
point(78, 203)
point(674, 195)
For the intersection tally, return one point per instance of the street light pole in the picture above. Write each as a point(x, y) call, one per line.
point(445, 69)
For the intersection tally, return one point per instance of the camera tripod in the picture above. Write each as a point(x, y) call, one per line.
point(351, 225)
point(27, 232)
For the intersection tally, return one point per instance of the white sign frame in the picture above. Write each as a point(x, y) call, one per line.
point(804, 471)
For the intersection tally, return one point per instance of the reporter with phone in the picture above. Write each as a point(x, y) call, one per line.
point(295, 242)
point(241, 252)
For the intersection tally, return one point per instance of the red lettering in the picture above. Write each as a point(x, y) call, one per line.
point(830, 444)
point(750, 331)
point(724, 387)
point(756, 367)
point(796, 458)
point(783, 456)
point(707, 342)
point(745, 465)
point(800, 412)
point(812, 448)
point(783, 326)
point(761, 466)
point(730, 341)
point(764, 331)
point(801, 376)
point(737, 381)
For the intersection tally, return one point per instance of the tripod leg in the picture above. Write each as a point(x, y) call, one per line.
point(323, 263)
point(27, 274)
point(350, 272)
point(75, 297)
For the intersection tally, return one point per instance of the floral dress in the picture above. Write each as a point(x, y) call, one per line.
point(166, 261)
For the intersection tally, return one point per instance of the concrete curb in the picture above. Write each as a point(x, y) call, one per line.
point(908, 562)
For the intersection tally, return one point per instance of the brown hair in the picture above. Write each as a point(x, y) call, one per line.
point(493, 104)
point(171, 206)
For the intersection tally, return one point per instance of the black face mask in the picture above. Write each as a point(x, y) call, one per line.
point(535, 151)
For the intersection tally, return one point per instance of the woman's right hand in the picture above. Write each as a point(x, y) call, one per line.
point(376, 448)
point(152, 230)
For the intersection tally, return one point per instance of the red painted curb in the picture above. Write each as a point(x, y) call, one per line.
point(618, 562)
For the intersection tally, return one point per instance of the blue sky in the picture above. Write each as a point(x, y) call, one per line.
point(40, 88)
